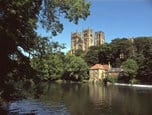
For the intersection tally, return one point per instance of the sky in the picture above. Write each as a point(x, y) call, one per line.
point(116, 18)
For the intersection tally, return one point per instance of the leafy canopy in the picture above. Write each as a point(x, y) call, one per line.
point(18, 21)
point(130, 67)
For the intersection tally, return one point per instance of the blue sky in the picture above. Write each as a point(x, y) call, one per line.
point(116, 18)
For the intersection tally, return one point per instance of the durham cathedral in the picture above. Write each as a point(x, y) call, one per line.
point(83, 40)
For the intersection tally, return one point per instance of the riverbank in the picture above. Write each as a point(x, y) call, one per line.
point(108, 83)
point(134, 85)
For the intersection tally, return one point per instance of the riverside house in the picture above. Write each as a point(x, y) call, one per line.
point(114, 72)
point(98, 72)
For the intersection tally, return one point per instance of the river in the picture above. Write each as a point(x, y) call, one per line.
point(84, 99)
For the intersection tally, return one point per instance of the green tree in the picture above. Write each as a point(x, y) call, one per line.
point(42, 47)
point(105, 54)
point(143, 56)
point(143, 45)
point(48, 61)
point(121, 50)
point(92, 56)
point(39, 59)
point(56, 66)
point(42, 68)
point(75, 68)
point(145, 71)
point(50, 68)
point(130, 68)
point(18, 21)
point(80, 53)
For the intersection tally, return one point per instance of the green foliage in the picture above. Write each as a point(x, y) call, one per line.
point(80, 53)
point(91, 56)
point(52, 10)
point(51, 64)
point(116, 52)
point(112, 79)
point(47, 69)
point(41, 66)
point(56, 66)
point(143, 45)
point(121, 50)
point(17, 24)
point(18, 21)
point(143, 56)
point(49, 60)
point(130, 68)
point(75, 68)
point(105, 53)
point(145, 71)
point(42, 47)
point(134, 81)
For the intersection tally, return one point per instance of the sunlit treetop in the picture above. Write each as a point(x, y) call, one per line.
point(53, 10)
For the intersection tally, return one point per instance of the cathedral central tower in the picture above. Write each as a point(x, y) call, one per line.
point(87, 38)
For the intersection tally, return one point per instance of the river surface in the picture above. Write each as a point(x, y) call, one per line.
point(84, 99)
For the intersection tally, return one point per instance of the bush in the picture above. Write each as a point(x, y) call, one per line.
point(112, 79)
point(134, 81)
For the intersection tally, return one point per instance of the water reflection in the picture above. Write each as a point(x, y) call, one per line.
point(34, 107)
point(84, 99)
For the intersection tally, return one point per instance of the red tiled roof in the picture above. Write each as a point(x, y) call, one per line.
point(99, 66)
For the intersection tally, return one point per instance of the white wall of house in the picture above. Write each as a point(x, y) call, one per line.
point(96, 74)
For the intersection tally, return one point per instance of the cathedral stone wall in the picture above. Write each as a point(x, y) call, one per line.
point(85, 39)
